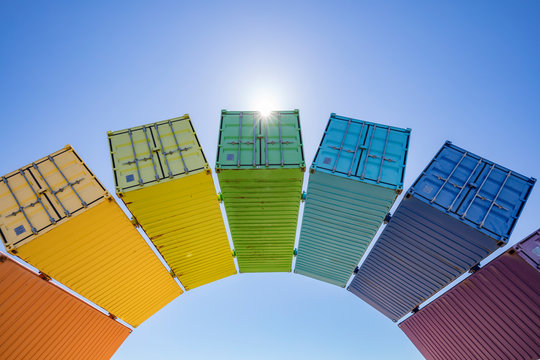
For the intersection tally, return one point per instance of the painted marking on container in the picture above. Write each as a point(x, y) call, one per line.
point(536, 251)
point(428, 189)
point(327, 161)
point(230, 157)
point(19, 230)
point(130, 178)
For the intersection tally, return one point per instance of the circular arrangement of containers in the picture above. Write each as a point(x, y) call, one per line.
point(58, 217)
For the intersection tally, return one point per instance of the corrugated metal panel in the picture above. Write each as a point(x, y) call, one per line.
point(180, 213)
point(184, 221)
point(355, 178)
point(423, 249)
point(261, 198)
point(96, 251)
point(493, 314)
point(38, 320)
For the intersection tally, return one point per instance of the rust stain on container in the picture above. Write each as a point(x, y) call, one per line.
point(39, 320)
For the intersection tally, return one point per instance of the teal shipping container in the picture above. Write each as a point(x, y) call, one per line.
point(354, 180)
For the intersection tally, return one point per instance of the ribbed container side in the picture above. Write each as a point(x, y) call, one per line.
point(183, 220)
point(101, 256)
point(424, 248)
point(260, 165)
point(39, 320)
point(262, 210)
point(82, 238)
point(154, 154)
point(340, 218)
point(355, 178)
point(175, 201)
point(493, 314)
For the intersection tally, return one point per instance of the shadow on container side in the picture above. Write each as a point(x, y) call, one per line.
point(459, 210)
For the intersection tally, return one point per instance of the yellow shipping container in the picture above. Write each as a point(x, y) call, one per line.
point(163, 177)
point(56, 215)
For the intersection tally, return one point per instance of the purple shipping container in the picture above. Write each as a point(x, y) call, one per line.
point(493, 314)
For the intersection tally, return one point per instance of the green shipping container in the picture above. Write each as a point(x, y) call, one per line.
point(260, 166)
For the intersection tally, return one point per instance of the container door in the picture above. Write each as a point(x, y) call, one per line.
point(494, 199)
point(281, 141)
point(179, 151)
point(384, 158)
point(449, 178)
point(38, 196)
point(24, 210)
point(239, 140)
point(342, 146)
point(134, 158)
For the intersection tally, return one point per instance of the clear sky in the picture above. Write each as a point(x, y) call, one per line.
point(466, 71)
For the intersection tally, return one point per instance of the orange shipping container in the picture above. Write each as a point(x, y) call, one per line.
point(39, 320)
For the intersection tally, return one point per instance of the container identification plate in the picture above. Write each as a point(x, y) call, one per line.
point(19, 230)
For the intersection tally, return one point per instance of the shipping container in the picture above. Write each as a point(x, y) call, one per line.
point(56, 216)
point(492, 314)
point(39, 320)
point(162, 176)
point(354, 180)
point(459, 210)
point(260, 165)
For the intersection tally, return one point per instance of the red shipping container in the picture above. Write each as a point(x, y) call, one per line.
point(39, 320)
point(493, 314)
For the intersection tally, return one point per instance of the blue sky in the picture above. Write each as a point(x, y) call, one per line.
point(466, 71)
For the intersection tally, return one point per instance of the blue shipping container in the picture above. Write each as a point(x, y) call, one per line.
point(460, 209)
point(354, 180)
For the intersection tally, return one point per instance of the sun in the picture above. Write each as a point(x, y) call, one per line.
point(265, 112)
point(265, 106)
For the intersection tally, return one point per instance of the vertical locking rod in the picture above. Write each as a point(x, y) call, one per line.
point(135, 157)
point(280, 139)
point(341, 146)
point(254, 137)
point(83, 203)
point(356, 149)
point(367, 152)
point(449, 176)
point(383, 154)
point(163, 150)
point(51, 190)
point(21, 209)
point(186, 170)
point(150, 153)
point(239, 138)
point(51, 219)
point(464, 184)
point(477, 191)
point(495, 198)
point(266, 142)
